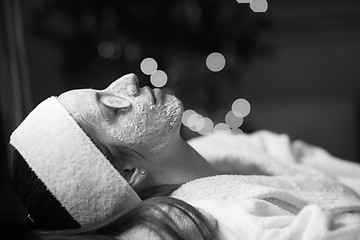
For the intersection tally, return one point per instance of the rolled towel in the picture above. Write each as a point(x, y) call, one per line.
point(72, 168)
point(297, 191)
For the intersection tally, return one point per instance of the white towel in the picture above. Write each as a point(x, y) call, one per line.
point(297, 191)
point(69, 164)
point(250, 207)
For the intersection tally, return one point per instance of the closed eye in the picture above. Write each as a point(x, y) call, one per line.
point(110, 105)
point(115, 101)
point(107, 112)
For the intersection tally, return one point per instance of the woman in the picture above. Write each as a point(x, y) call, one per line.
point(138, 132)
point(64, 180)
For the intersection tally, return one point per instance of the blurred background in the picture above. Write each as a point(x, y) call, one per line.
point(296, 66)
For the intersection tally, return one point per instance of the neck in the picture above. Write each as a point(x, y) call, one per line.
point(185, 164)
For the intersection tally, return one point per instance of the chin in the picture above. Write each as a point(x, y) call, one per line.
point(180, 111)
point(181, 106)
point(172, 123)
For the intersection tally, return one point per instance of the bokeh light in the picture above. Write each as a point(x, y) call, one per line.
point(185, 117)
point(109, 50)
point(200, 123)
point(132, 52)
point(236, 131)
point(207, 128)
point(197, 123)
point(222, 127)
point(232, 120)
point(259, 5)
point(215, 61)
point(158, 78)
point(241, 107)
point(148, 66)
point(193, 120)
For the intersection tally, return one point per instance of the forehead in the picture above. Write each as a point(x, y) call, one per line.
point(75, 95)
point(76, 100)
point(80, 104)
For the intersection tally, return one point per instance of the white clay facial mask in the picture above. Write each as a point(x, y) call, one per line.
point(150, 122)
point(147, 127)
point(142, 119)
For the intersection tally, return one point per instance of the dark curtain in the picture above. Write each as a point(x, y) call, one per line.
point(15, 103)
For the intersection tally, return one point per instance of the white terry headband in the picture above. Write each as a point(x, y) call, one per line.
point(69, 164)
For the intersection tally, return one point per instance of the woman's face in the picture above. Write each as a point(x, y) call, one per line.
point(141, 119)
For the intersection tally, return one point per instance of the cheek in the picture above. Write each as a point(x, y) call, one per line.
point(88, 116)
point(130, 126)
point(148, 129)
point(162, 125)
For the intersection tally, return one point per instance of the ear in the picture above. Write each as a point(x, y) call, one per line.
point(136, 177)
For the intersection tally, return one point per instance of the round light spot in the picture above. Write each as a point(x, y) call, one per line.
point(132, 52)
point(185, 117)
point(215, 61)
point(221, 127)
point(110, 50)
point(240, 107)
point(208, 127)
point(158, 78)
point(192, 121)
point(196, 122)
point(259, 5)
point(200, 123)
point(233, 120)
point(148, 66)
point(236, 131)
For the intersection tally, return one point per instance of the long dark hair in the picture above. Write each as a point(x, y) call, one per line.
point(162, 216)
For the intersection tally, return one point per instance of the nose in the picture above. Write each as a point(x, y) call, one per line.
point(127, 84)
